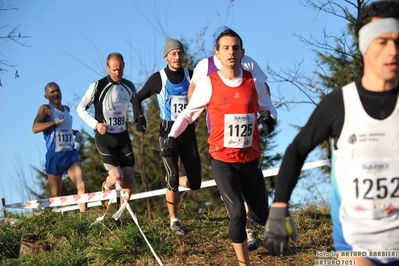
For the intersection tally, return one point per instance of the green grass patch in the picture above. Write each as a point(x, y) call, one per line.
point(71, 239)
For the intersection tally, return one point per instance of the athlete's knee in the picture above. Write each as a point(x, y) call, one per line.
point(193, 185)
point(128, 182)
point(128, 173)
point(113, 171)
point(194, 181)
point(172, 182)
point(238, 217)
point(81, 186)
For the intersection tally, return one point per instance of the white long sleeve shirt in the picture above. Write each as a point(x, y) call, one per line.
point(202, 95)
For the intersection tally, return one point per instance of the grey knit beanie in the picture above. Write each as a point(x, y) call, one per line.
point(172, 44)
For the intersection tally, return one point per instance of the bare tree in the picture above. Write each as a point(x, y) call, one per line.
point(337, 60)
point(10, 33)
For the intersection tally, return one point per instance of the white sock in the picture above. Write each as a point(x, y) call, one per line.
point(172, 220)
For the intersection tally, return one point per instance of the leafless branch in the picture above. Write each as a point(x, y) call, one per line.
point(306, 84)
point(13, 35)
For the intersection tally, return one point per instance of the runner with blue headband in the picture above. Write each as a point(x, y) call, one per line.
point(361, 121)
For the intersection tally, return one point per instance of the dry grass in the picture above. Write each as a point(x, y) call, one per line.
point(206, 241)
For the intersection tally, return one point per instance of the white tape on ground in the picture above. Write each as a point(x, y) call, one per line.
point(95, 198)
point(142, 233)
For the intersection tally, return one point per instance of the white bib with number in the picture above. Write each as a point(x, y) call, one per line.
point(365, 178)
point(238, 130)
point(178, 104)
point(64, 139)
point(370, 189)
point(115, 109)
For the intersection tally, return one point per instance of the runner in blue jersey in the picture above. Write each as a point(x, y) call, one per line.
point(171, 85)
point(55, 121)
point(361, 121)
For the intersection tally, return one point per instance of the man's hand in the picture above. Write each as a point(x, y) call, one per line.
point(268, 124)
point(59, 120)
point(141, 124)
point(168, 146)
point(101, 128)
point(78, 137)
point(279, 229)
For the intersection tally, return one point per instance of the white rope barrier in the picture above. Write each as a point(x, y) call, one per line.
point(94, 198)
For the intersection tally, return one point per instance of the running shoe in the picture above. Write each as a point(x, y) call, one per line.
point(177, 229)
point(252, 242)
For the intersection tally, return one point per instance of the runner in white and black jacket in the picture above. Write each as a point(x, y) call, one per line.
point(111, 97)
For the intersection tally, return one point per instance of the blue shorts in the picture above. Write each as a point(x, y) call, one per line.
point(58, 163)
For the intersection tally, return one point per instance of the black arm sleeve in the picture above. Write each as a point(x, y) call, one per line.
point(151, 87)
point(325, 122)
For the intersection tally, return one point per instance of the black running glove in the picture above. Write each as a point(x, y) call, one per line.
point(279, 229)
point(168, 146)
point(141, 124)
point(268, 124)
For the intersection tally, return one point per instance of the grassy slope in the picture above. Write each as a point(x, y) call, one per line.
point(70, 240)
